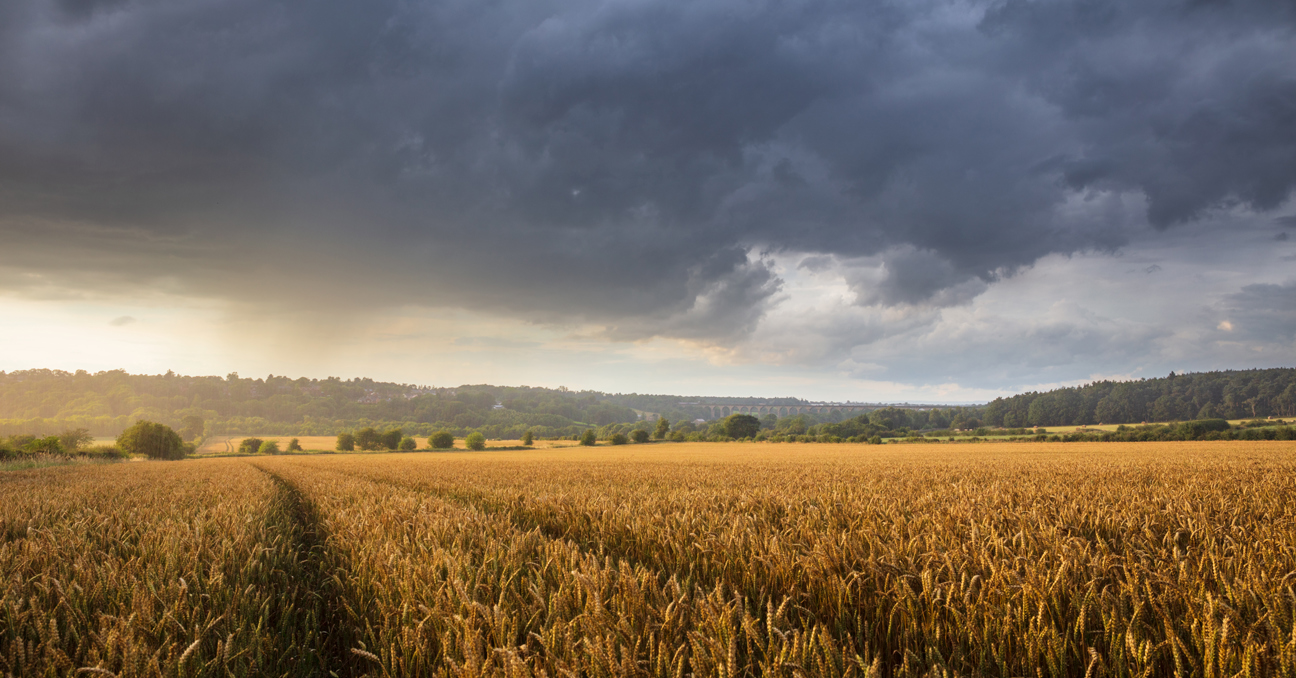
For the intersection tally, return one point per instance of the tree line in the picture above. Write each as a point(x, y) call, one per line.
point(44, 403)
point(1245, 394)
point(105, 403)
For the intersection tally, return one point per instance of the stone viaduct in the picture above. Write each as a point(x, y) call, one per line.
point(721, 411)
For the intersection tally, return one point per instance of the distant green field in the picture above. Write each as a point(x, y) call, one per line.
point(1112, 427)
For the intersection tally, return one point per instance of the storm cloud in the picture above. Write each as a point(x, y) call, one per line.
point(624, 163)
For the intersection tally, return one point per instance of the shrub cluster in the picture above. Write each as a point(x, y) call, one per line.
point(72, 443)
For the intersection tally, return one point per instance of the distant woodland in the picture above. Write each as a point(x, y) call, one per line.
point(1243, 394)
point(105, 403)
point(47, 402)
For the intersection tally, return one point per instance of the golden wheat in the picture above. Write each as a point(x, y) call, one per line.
point(664, 560)
point(150, 569)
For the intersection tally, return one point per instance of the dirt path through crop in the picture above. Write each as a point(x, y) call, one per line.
point(322, 569)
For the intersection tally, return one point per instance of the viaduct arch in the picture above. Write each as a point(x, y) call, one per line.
point(721, 411)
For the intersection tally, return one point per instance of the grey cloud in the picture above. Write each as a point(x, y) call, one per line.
point(1058, 343)
point(727, 296)
point(1065, 345)
point(1263, 313)
point(1191, 103)
point(614, 162)
point(913, 277)
point(121, 321)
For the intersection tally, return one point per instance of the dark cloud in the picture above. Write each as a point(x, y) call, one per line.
point(620, 162)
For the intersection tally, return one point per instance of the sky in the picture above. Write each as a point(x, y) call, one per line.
point(923, 201)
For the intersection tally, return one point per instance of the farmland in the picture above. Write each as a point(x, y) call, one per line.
point(661, 560)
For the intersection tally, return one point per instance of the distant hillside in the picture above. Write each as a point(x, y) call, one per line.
point(47, 401)
point(1230, 395)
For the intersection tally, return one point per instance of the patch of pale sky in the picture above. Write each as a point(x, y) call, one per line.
point(814, 341)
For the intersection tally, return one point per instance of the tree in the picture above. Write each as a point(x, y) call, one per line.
point(74, 439)
point(889, 418)
point(392, 439)
point(47, 445)
point(441, 440)
point(191, 426)
point(269, 447)
point(250, 446)
point(345, 442)
point(587, 438)
point(475, 441)
point(151, 439)
point(639, 435)
point(408, 444)
point(741, 425)
point(368, 439)
point(662, 428)
point(294, 445)
point(528, 438)
point(618, 439)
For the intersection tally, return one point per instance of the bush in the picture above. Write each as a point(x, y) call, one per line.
point(875, 440)
point(587, 438)
point(1192, 430)
point(345, 443)
point(391, 440)
point(741, 425)
point(48, 445)
point(294, 445)
point(156, 441)
point(101, 452)
point(441, 440)
point(250, 446)
point(618, 439)
point(408, 444)
point(475, 441)
point(639, 435)
point(269, 447)
point(368, 439)
point(74, 439)
point(528, 439)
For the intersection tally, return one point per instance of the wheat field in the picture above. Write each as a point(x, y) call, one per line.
point(703, 559)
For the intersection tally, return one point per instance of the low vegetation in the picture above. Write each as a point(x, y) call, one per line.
point(72, 445)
